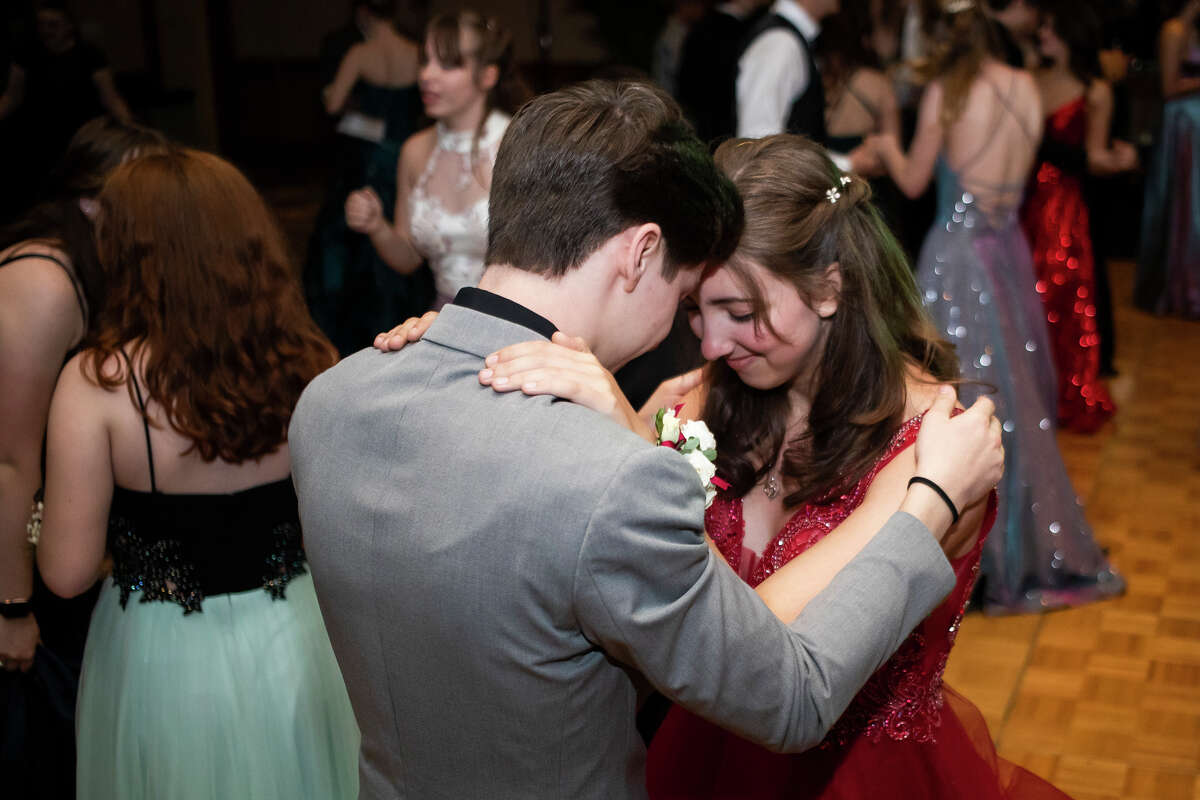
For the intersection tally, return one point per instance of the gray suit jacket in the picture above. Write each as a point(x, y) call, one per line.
point(496, 571)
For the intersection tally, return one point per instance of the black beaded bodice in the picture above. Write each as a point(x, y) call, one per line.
point(182, 548)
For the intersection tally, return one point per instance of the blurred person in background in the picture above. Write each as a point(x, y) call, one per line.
point(1079, 109)
point(57, 81)
point(1168, 275)
point(979, 129)
point(708, 66)
point(1015, 26)
point(470, 88)
point(50, 286)
point(668, 47)
point(350, 290)
point(859, 96)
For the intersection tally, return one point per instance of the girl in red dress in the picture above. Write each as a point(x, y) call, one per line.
point(829, 403)
point(1055, 217)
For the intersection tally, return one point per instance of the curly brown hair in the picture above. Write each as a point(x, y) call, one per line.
point(199, 286)
point(879, 331)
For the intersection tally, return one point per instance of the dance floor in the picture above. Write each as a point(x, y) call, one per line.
point(1104, 700)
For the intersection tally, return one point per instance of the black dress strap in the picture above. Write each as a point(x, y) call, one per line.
point(75, 284)
point(145, 420)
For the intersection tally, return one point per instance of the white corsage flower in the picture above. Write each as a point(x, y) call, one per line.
point(704, 468)
point(668, 430)
point(696, 443)
point(696, 429)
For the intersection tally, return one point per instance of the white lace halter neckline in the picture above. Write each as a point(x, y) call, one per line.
point(448, 207)
point(463, 141)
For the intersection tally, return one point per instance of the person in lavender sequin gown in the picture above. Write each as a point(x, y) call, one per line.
point(978, 131)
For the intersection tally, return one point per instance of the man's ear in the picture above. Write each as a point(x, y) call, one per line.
point(827, 305)
point(644, 253)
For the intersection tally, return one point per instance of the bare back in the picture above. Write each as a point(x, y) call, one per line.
point(992, 145)
point(864, 104)
point(388, 60)
point(176, 471)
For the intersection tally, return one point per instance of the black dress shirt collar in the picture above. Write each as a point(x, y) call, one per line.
point(494, 305)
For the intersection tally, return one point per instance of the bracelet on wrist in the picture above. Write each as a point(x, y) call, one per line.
point(940, 493)
point(15, 608)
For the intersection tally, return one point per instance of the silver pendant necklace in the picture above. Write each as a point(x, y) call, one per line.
point(771, 487)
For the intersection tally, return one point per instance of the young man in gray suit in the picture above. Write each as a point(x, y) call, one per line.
point(501, 573)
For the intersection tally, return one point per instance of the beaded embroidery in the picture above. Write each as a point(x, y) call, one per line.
point(156, 569)
point(162, 572)
point(903, 699)
point(285, 561)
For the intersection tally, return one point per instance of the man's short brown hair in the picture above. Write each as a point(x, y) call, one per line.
point(578, 166)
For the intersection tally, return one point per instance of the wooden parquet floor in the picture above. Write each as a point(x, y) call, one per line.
point(1104, 700)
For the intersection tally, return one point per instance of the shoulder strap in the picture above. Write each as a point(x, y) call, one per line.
point(145, 420)
point(75, 283)
point(1005, 101)
point(862, 101)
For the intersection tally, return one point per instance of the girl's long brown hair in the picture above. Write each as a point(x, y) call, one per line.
point(880, 328)
point(962, 41)
point(200, 286)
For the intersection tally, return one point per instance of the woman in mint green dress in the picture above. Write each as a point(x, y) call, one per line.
point(207, 672)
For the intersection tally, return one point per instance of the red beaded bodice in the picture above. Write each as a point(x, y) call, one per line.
point(903, 699)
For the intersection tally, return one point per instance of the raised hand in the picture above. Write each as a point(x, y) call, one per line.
point(563, 367)
point(364, 211)
point(671, 393)
point(963, 455)
point(410, 330)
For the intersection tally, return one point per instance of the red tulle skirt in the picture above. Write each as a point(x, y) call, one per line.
point(694, 759)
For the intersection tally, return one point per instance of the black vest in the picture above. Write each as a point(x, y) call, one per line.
point(807, 115)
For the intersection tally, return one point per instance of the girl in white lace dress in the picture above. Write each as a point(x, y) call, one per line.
point(469, 87)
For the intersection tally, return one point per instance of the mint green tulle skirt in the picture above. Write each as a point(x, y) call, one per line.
point(241, 700)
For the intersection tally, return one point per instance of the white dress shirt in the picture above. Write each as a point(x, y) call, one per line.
point(772, 73)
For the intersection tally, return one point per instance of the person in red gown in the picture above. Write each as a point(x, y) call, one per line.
point(1055, 215)
point(905, 734)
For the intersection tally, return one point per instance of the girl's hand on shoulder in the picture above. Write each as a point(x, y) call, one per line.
point(563, 367)
point(410, 330)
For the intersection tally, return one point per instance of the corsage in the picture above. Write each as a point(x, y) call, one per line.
point(695, 442)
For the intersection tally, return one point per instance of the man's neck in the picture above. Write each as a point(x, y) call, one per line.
point(564, 301)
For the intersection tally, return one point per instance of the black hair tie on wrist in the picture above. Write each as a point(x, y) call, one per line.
point(942, 494)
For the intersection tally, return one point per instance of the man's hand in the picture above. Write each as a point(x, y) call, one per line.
point(963, 455)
